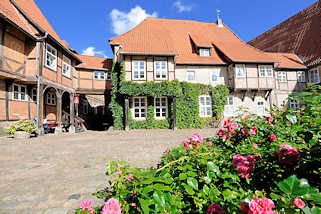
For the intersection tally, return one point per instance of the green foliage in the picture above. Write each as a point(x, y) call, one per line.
point(218, 101)
point(22, 125)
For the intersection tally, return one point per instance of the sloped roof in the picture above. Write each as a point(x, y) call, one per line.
point(171, 36)
point(94, 62)
point(288, 60)
point(300, 34)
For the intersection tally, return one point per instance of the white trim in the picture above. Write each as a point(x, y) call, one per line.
point(54, 55)
point(19, 92)
point(265, 70)
point(301, 76)
point(229, 109)
point(138, 70)
point(161, 70)
point(67, 65)
point(161, 108)
point(293, 104)
point(205, 106)
point(51, 98)
point(216, 73)
point(34, 94)
point(260, 107)
point(99, 75)
point(205, 52)
point(314, 76)
point(187, 76)
point(142, 109)
point(282, 76)
point(239, 66)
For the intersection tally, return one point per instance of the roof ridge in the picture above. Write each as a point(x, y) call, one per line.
point(93, 56)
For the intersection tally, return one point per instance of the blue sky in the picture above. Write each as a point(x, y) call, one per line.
point(87, 24)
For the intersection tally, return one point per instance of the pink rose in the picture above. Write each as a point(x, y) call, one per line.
point(288, 154)
point(210, 143)
point(215, 208)
point(186, 144)
point(269, 119)
point(167, 150)
point(252, 132)
point(298, 203)
point(255, 146)
point(111, 207)
point(272, 137)
point(244, 207)
point(87, 206)
point(261, 206)
point(234, 126)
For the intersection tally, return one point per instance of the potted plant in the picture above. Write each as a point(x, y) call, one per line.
point(22, 129)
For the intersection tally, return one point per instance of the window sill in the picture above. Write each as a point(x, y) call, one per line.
point(66, 76)
point(51, 104)
point(50, 68)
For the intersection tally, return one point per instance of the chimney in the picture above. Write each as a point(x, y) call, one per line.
point(219, 20)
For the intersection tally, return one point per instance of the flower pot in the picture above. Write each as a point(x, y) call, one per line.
point(21, 135)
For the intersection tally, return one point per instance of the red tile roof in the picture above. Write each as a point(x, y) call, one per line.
point(300, 34)
point(170, 36)
point(288, 60)
point(94, 62)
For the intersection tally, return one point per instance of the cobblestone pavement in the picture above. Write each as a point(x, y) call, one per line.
point(53, 173)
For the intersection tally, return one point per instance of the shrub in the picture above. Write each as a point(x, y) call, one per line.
point(22, 125)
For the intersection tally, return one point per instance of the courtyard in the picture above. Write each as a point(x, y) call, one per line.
point(53, 173)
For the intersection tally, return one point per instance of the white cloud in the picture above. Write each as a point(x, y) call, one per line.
point(123, 22)
point(90, 51)
point(181, 7)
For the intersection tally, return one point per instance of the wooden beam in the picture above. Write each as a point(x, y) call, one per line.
point(8, 83)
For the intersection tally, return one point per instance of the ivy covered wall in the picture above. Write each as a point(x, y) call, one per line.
point(187, 101)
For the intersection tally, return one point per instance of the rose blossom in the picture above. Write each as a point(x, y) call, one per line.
point(288, 154)
point(185, 143)
point(111, 207)
point(167, 150)
point(269, 119)
point(255, 146)
point(252, 132)
point(87, 205)
point(298, 203)
point(210, 143)
point(261, 206)
point(215, 208)
point(272, 137)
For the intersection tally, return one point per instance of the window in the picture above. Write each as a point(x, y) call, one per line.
point(293, 104)
point(205, 106)
point(265, 71)
point(103, 110)
point(214, 75)
point(139, 107)
point(160, 70)
point(204, 52)
point(139, 70)
point(160, 107)
point(85, 106)
point(96, 110)
point(34, 95)
point(99, 75)
point(282, 76)
point(301, 76)
point(51, 98)
point(240, 71)
point(314, 76)
point(19, 92)
point(260, 108)
point(108, 75)
point(51, 57)
point(66, 66)
point(191, 76)
point(229, 107)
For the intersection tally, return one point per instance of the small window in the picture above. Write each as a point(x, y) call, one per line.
point(301, 76)
point(240, 71)
point(66, 66)
point(314, 76)
point(190, 76)
point(260, 108)
point(205, 106)
point(204, 52)
point(108, 75)
point(19, 92)
point(161, 108)
point(138, 70)
point(160, 70)
point(293, 104)
point(214, 76)
point(51, 98)
point(34, 95)
point(229, 107)
point(96, 110)
point(139, 108)
point(85, 107)
point(282, 76)
point(99, 75)
point(265, 71)
point(51, 57)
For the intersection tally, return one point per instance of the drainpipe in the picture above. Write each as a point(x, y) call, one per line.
point(38, 77)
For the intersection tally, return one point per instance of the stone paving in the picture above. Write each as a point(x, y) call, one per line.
point(52, 174)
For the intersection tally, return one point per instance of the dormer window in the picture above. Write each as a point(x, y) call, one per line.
point(204, 51)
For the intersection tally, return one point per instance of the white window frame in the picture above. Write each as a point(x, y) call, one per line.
point(51, 98)
point(301, 76)
point(139, 108)
point(282, 76)
point(162, 71)
point(260, 107)
point(204, 107)
point(239, 66)
point(293, 104)
point(187, 76)
point(67, 66)
point(19, 93)
point(162, 108)
point(108, 75)
point(99, 75)
point(215, 73)
point(54, 55)
point(265, 71)
point(205, 52)
point(229, 109)
point(140, 72)
point(314, 76)
point(34, 95)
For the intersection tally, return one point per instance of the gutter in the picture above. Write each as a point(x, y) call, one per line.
point(101, 69)
point(147, 54)
point(199, 63)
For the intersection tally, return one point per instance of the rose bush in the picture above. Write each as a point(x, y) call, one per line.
point(252, 166)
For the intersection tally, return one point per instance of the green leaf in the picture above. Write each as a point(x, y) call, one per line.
point(162, 187)
point(191, 174)
point(189, 190)
point(292, 118)
point(288, 185)
point(192, 182)
point(213, 167)
point(316, 210)
point(214, 193)
point(207, 179)
point(159, 198)
point(145, 205)
point(182, 176)
point(306, 210)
